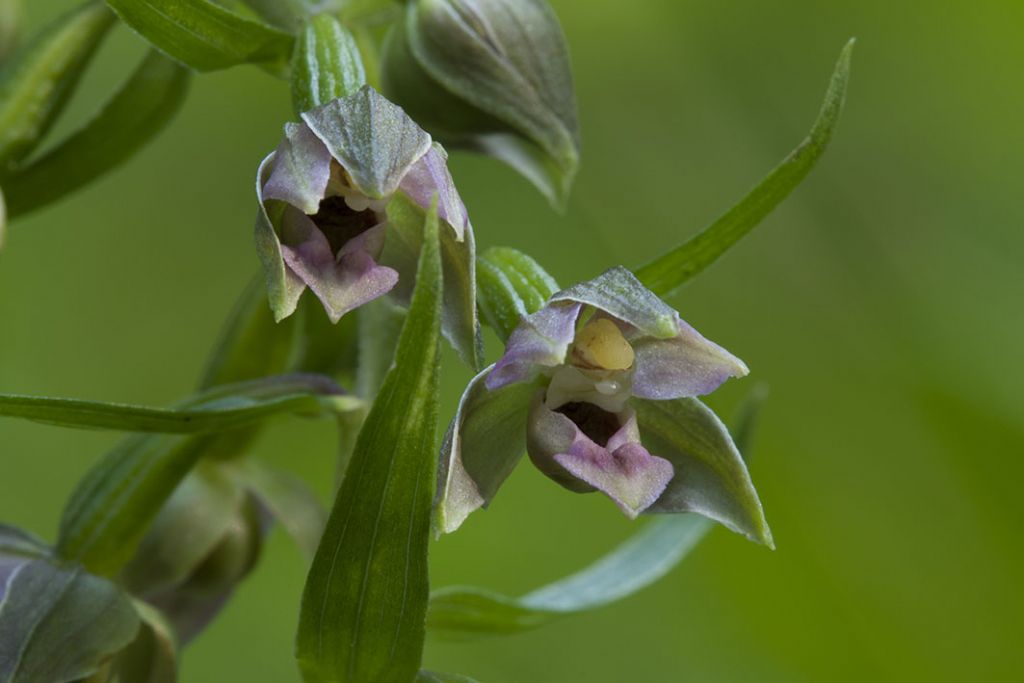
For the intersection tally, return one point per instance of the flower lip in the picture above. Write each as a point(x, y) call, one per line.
point(340, 223)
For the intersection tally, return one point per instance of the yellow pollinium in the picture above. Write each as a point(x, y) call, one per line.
point(600, 344)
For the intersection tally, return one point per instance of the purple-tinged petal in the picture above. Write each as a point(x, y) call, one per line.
point(686, 365)
point(430, 176)
point(629, 475)
point(618, 293)
point(341, 284)
point(541, 339)
point(283, 286)
point(484, 443)
point(302, 169)
point(372, 138)
point(622, 469)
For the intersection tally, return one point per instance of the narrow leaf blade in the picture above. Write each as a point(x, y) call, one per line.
point(363, 608)
point(134, 116)
point(203, 35)
point(669, 272)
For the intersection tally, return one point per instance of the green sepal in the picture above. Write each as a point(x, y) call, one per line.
point(326, 64)
point(128, 121)
point(669, 272)
point(204, 35)
point(512, 285)
point(484, 442)
point(460, 324)
point(365, 600)
point(59, 623)
point(711, 477)
point(37, 82)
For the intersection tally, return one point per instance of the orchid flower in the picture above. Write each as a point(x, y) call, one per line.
point(599, 387)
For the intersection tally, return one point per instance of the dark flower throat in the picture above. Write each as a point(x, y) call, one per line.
point(598, 424)
point(339, 222)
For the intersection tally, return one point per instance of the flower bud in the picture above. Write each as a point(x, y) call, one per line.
point(490, 75)
point(203, 543)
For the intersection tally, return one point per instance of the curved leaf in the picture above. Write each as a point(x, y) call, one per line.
point(326, 64)
point(219, 414)
point(669, 272)
point(133, 117)
point(38, 81)
point(60, 624)
point(114, 505)
point(365, 599)
point(204, 35)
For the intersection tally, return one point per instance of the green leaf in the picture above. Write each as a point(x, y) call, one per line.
point(60, 623)
point(204, 35)
point(251, 345)
point(113, 506)
point(302, 396)
point(133, 117)
point(365, 599)
point(287, 498)
point(644, 558)
point(38, 81)
point(326, 64)
point(10, 26)
point(669, 272)
point(512, 285)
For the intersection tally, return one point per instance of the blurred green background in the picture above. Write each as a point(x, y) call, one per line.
point(882, 304)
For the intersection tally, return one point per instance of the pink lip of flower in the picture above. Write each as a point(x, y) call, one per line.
point(323, 193)
point(578, 378)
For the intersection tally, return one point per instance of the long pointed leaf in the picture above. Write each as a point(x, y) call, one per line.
point(204, 35)
point(222, 414)
point(133, 117)
point(365, 599)
point(669, 272)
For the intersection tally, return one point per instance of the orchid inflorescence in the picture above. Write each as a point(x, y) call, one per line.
point(598, 383)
